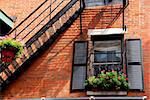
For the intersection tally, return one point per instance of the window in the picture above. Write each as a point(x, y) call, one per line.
point(92, 3)
point(107, 55)
point(107, 51)
point(6, 23)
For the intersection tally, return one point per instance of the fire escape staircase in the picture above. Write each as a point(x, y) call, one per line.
point(38, 31)
point(41, 28)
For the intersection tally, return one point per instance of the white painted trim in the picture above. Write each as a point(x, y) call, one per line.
point(106, 93)
point(107, 31)
point(144, 97)
point(6, 20)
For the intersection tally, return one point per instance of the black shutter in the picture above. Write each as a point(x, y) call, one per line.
point(79, 65)
point(134, 64)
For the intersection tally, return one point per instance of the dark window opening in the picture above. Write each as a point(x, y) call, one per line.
point(6, 23)
point(107, 1)
point(4, 28)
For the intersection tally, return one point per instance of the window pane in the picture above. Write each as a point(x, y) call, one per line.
point(100, 56)
point(112, 56)
point(107, 51)
point(113, 45)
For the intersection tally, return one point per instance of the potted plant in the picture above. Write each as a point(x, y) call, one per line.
point(107, 81)
point(10, 49)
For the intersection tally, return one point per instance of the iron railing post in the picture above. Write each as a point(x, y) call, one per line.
point(124, 2)
point(123, 23)
point(82, 5)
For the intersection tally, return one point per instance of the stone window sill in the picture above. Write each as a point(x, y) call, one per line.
point(96, 93)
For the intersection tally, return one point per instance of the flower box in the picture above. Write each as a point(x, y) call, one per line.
point(108, 93)
point(107, 83)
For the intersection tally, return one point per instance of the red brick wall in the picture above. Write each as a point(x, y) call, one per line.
point(19, 8)
point(136, 19)
point(50, 74)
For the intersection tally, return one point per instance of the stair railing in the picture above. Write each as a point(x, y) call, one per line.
point(39, 17)
point(63, 13)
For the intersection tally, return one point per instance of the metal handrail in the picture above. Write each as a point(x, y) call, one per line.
point(28, 16)
point(52, 21)
point(45, 26)
point(36, 18)
point(44, 18)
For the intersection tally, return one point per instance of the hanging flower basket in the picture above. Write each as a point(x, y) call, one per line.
point(8, 54)
point(10, 49)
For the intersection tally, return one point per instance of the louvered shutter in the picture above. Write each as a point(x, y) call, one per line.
point(79, 65)
point(134, 64)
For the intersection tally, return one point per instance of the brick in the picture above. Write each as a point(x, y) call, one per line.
point(49, 75)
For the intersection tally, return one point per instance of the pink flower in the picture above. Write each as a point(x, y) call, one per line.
point(113, 70)
point(119, 78)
